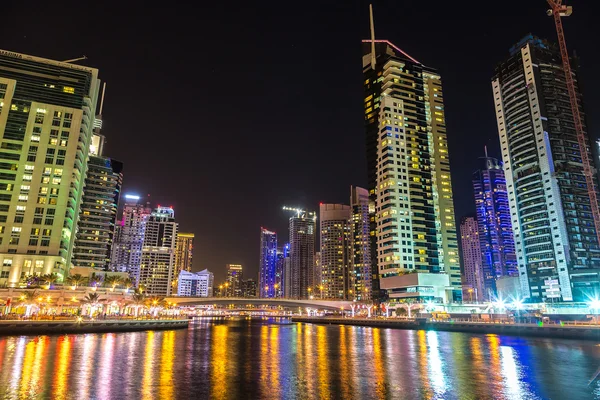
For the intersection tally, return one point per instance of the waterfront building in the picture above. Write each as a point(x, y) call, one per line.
point(473, 277)
point(267, 263)
point(555, 238)
point(493, 220)
point(282, 255)
point(47, 113)
point(249, 288)
point(157, 266)
point(198, 284)
point(284, 264)
point(335, 254)
point(302, 253)
point(408, 167)
point(318, 274)
point(360, 244)
point(233, 285)
point(422, 287)
point(129, 237)
point(183, 253)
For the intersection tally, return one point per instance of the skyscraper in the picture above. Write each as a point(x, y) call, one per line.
point(493, 219)
point(360, 243)
point(302, 252)
point(234, 280)
point(408, 166)
point(157, 267)
point(555, 238)
point(129, 237)
point(183, 252)
point(471, 259)
point(283, 265)
point(336, 276)
point(267, 263)
point(318, 274)
point(47, 113)
point(249, 288)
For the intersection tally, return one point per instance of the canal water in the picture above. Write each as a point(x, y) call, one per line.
point(273, 358)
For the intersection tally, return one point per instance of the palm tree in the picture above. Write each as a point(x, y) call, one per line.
point(49, 279)
point(28, 300)
point(75, 280)
point(112, 280)
point(127, 283)
point(95, 280)
point(31, 280)
point(155, 303)
point(138, 300)
point(93, 300)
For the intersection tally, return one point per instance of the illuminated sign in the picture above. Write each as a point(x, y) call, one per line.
point(132, 197)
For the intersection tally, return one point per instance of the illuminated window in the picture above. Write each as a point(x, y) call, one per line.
point(68, 89)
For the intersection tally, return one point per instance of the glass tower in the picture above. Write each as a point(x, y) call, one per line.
point(267, 273)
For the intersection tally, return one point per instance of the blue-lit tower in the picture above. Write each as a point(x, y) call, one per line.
point(493, 221)
point(268, 263)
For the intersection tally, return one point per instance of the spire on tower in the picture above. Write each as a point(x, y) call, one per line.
point(372, 36)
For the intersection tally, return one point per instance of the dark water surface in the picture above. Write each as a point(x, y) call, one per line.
point(239, 359)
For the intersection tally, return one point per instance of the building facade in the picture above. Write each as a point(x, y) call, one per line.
point(360, 244)
point(195, 284)
point(493, 220)
point(302, 253)
point(157, 267)
point(249, 288)
point(47, 112)
point(555, 238)
point(234, 280)
point(183, 252)
point(473, 274)
point(267, 272)
point(408, 167)
point(336, 275)
point(129, 237)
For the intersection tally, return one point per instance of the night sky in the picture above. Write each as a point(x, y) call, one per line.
point(228, 111)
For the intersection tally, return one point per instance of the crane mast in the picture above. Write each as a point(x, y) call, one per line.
point(558, 10)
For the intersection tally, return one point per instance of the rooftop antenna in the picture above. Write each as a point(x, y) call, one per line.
point(75, 59)
point(485, 150)
point(372, 36)
point(102, 99)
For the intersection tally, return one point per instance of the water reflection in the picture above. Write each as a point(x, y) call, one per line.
point(268, 359)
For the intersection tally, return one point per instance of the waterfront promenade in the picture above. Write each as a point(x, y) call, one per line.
point(63, 326)
point(550, 330)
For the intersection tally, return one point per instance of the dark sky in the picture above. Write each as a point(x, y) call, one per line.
point(227, 111)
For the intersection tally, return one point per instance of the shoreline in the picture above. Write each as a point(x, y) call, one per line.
point(49, 327)
point(586, 332)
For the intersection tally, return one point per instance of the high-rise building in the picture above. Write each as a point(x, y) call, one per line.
point(267, 264)
point(493, 220)
point(318, 274)
point(198, 284)
point(234, 280)
point(472, 260)
point(183, 252)
point(157, 267)
point(282, 254)
point(302, 253)
point(555, 238)
point(284, 265)
point(336, 278)
point(249, 288)
point(408, 168)
point(47, 112)
point(97, 218)
point(360, 243)
point(129, 237)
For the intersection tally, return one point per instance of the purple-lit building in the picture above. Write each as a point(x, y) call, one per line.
point(268, 263)
point(493, 219)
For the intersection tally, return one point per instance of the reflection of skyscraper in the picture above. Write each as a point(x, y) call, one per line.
point(302, 252)
point(408, 167)
point(553, 226)
point(471, 259)
point(234, 280)
point(157, 267)
point(129, 238)
point(360, 243)
point(267, 263)
point(47, 112)
point(335, 251)
point(493, 220)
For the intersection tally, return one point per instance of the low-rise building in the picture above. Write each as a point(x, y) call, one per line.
point(421, 287)
point(198, 284)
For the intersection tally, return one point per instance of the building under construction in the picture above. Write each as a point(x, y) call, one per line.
point(551, 203)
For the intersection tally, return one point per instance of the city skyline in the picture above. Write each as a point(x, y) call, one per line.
point(467, 95)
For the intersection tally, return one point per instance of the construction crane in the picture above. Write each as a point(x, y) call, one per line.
point(75, 59)
point(300, 213)
point(559, 10)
